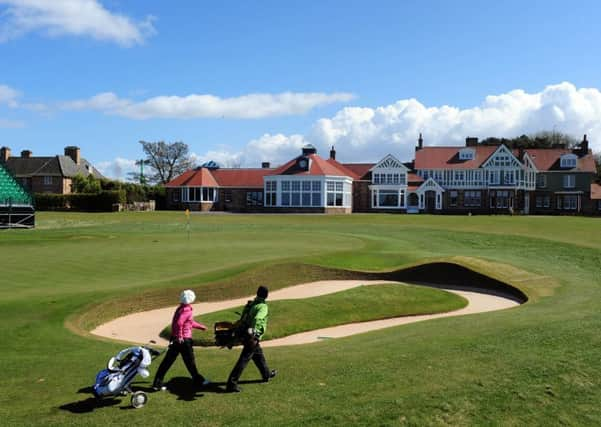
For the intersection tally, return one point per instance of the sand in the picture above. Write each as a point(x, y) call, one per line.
point(144, 327)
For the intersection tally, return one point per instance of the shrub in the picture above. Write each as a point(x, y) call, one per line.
point(102, 201)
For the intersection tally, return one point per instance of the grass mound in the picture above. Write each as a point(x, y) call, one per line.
point(360, 304)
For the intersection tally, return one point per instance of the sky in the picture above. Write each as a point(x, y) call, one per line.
point(245, 82)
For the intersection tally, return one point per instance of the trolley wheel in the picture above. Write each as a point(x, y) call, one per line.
point(139, 399)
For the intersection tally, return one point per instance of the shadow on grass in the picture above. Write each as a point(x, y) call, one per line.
point(88, 405)
point(185, 389)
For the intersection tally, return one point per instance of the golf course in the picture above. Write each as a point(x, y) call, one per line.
point(535, 363)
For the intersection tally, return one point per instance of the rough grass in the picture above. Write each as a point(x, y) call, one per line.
point(361, 304)
point(534, 365)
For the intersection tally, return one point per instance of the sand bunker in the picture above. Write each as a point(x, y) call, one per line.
point(144, 327)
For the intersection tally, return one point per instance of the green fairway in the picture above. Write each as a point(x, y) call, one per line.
point(537, 364)
point(355, 305)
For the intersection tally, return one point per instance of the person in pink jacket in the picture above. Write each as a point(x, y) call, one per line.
point(181, 342)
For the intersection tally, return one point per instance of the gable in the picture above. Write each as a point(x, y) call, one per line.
point(502, 158)
point(390, 162)
point(429, 185)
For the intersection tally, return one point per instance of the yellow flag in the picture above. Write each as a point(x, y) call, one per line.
point(187, 213)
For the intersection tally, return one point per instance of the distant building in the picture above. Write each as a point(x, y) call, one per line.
point(473, 178)
point(48, 174)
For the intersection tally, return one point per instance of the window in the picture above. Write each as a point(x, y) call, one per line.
point(543, 201)
point(493, 177)
point(300, 193)
point(453, 198)
point(472, 198)
point(502, 200)
point(569, 202)
point(508, 178)
point(227, 195)
point(569, 181)
point(541, 181)
point(175, 195)
point(47, 180)
point(271, 188)
point(388, 198)
point(502, 160)
point(254, 198)
point(338, 193)
point(466, 154)
point(568, 161)
point(599, 205)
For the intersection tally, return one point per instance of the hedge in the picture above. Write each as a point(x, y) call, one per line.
point(97, 202)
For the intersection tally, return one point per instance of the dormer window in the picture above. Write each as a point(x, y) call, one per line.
point(568, 161)
point(466, 154)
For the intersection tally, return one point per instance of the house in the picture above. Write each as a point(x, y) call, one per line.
point(48, 174)
point(308, 183)
point(495, 179)
point(474, 178)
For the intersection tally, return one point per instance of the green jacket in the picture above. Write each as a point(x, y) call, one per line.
point(255, 316)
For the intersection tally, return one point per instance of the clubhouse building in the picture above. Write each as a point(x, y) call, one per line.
point(474, 178)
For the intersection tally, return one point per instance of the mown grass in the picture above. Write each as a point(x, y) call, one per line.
point(534, 365)
point(287, 317)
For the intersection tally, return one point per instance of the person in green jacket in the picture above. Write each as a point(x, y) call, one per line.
point(252, 326)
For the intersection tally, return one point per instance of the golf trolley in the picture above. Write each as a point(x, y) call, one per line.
point(121, 370)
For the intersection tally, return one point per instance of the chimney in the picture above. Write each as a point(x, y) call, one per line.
point(521, 154)
point(309, 149)
point(26, 154)
point(265, 165)
point(73, 152)
point(333, 153)
point(420, 143)
point(471, 141)
point(4, 154)
point(584, 146)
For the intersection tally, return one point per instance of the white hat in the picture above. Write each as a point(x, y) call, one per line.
point(187, 297)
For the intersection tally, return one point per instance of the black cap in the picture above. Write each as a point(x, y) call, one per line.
point(262, 292)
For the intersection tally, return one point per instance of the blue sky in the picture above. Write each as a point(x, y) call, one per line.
point(364, 76)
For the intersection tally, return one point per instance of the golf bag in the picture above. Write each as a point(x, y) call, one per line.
point(121, 370)
point(226, 334)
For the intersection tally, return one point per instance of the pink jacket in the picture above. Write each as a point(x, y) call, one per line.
point(183, 322)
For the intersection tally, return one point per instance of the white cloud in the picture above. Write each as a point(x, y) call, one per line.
point(117, 168)
point(71, 17)
point(8, 96)
point(366, 134)
point(252, 106)
point(275, 149)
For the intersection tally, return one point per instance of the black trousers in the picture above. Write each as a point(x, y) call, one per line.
point(175, 349)
point(251, 350)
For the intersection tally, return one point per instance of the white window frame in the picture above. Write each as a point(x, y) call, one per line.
point(541, 181)
point(569, 181)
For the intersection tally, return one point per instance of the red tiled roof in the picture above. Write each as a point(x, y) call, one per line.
point(241, 177)
point(360, 169)
point(318, 167)
point(413, 177)
point(448, 157)
point(595, 191)
point(549, 159)
point(199, 177)
point(203, 177)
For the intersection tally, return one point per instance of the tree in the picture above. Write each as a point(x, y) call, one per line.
point(166, 160)
point(543, 139)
